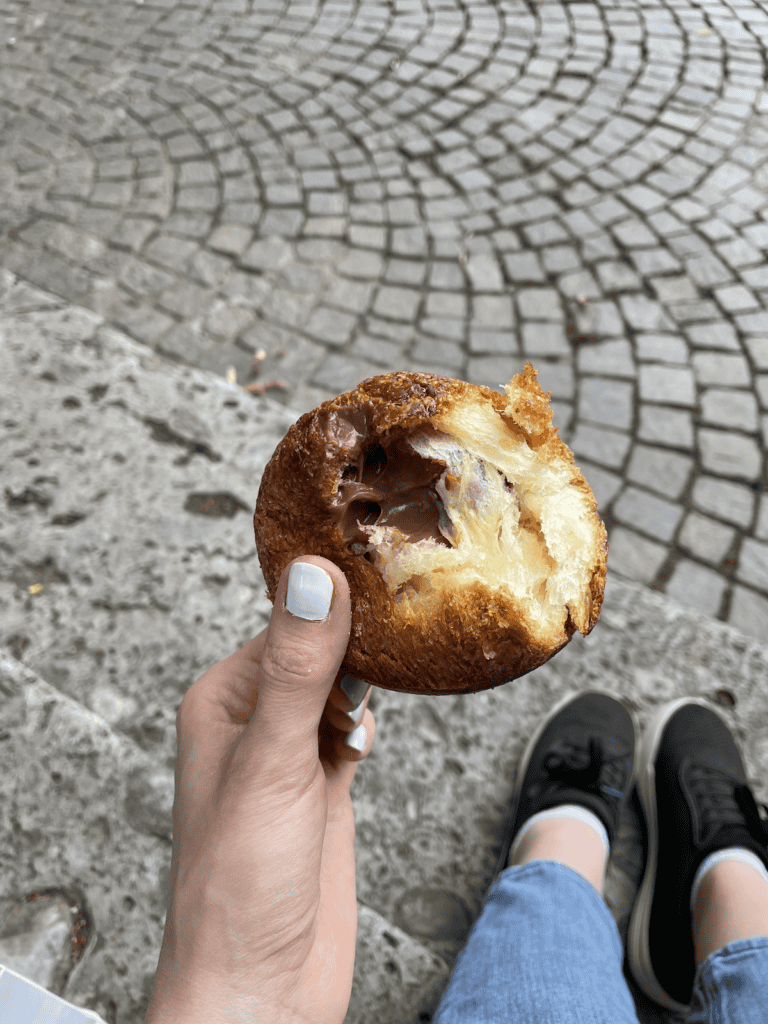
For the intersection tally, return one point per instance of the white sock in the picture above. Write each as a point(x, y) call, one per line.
point(573, 811)
point(732, 853)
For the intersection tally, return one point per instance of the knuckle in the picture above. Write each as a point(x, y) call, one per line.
point(290, 662)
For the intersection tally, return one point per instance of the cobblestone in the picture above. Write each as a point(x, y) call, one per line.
point(732, 502)
point(729, 454)
point(697, 586)
point(648, 513)
point(706, 538)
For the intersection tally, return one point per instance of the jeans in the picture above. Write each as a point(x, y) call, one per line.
point(546, 950)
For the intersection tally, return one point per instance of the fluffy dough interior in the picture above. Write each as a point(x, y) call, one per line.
point(535, 539)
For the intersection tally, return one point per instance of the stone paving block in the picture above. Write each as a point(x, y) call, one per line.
point(493, 341)
point(729, 408)
point(753, 563)
point(706, 269)
point(634, 234)
point(717, 368)
point(268, 254)
point(654, 261)
point(674, 289)
point(705, 538)
point(616, 276)
point(732, 502)
point(397, 303)
point(633, 556)
point(663, 426)
point(354, 296)
point(606, 402)
point(736, 298)
point(439, 351)
point(523, 267)
point(491, 311)
point(361, 263)
point(605, 447)
point(667, 348)
point(730, 454)
point(696, 587)
point(539, 303)
point(226, 320)
point(668, 385)
point(644, 314)
point(583, 287)
point(542, 339)
point(133, 232)
point(714, 335)
point(758, 349)
point(377, 350)
point(660, 470)
point(648, 513)
point(749, 612)
point(607, 358)
point(331, 326)
point(443, 327)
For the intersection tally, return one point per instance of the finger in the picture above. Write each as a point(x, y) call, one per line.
point(336, 755)
point(352, 753)
point(348, 692)
point(306, 640)
point(344, 720)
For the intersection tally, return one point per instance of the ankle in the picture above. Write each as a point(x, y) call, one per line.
point(566, 841)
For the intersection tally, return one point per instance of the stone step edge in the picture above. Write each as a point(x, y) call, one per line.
point(396, 978)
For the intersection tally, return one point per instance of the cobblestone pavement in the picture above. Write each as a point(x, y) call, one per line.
point(315, 192)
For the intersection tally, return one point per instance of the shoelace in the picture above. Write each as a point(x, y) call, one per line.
point(723, 801)
point(586, 767)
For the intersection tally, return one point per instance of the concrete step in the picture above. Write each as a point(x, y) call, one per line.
point(128, 567)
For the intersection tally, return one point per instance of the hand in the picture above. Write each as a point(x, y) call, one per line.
point(262, 911)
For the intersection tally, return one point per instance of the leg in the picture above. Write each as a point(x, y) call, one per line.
point(729, 927)
point(732, 904)
point(568, 842)
point(545, 947)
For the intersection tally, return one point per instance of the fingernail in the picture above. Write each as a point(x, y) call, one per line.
point(356, 714)
point(356, 739)
point(354, 688)
point(310, 590)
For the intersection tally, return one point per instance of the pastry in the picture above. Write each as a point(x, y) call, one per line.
point(471, 542)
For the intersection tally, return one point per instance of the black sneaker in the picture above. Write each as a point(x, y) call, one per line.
point(582, 752)
point(695, 798)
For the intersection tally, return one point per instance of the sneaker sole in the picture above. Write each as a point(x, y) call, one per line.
point(638, 938)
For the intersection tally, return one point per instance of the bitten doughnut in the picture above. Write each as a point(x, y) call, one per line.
point(471, 542)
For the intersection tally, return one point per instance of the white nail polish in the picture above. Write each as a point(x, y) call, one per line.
point(354, 688)
point(310, 590)
point(356, 739)
point(356, 713)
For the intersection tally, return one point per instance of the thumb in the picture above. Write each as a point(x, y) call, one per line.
point(306, 641)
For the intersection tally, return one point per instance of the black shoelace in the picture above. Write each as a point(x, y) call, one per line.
point(726, 802)
point(586, 767)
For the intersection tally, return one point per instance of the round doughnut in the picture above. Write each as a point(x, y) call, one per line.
point(471, 542)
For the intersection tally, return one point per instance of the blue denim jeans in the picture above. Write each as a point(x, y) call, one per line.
point(546, 950)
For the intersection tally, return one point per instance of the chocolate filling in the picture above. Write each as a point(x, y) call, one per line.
point(390, 488)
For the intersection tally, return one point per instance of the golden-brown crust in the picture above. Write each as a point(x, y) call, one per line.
point(477, 639)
